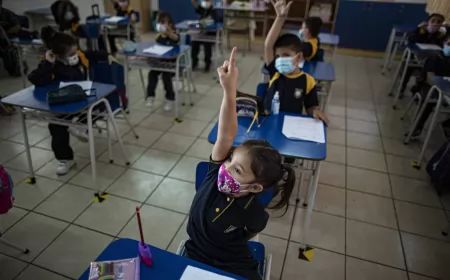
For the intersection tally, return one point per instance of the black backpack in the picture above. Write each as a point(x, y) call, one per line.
point(439, 169)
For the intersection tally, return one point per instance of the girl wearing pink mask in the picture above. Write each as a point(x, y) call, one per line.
point(226, 211)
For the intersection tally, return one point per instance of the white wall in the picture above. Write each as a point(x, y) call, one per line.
point(20, 6)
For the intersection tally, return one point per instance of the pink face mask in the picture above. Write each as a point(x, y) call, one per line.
point(227, 184)
point(433, 28)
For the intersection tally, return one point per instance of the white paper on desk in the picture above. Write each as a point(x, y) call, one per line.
point(194, 273)
point(430, 47)
point(303, 129)
point(114, 19)
point(86, 85)
point(37, 41)
point(157, 49)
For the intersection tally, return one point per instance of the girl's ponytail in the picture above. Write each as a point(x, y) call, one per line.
point(285, 189)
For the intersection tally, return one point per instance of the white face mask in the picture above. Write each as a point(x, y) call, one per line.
point(161, 28)
point(206, 4)
point(123, 4)
point(73, 60)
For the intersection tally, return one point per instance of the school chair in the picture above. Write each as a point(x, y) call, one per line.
point(321, 55)
point(257, 248)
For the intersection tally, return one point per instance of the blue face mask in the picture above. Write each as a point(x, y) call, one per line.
point(301, 36)
point(446, 50)
point(284, 65)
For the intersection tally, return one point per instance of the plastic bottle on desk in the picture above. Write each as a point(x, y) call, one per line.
point(276, 103)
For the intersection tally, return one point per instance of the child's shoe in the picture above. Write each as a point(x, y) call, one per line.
point(149, 102)
point(80, 134)
point(64, 166)
point(168, 105)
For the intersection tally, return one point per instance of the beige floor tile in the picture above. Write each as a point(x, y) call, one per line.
point(185, 169)
point(364, 141)
point(106, 175)
point(374, 243)
point(189, 127)
point(9, 150)
point(336, 153)
point(158, 122)
point(180, 236)
point(207, 130)
point(393, 130)
point(413, 276)
point(332, 174)
point(14, 267)
point(136, 185)
point(421, 220)
point(49, 170)
point(361, 114)
point(363, 127)
point(35, 135)
point(330, 200)
point(158, 162)
point(325, 232)
point(201, 114)
point(402, 166)
point(359, 269)
point(396, 147)
point(81, 149)
point(29, 196)
point(9, 219)
point(66, 203)
point(134, 117)
point(371, 209)
point(164, 195)
point(278, 225)
point(17, 176)
point(109, 217)
point(366, 159)
point(368, 181)
point(415, 191)
point(200, 149)
point(335, 110)
point(359, 104)
point(174, 143)
point(337, 122)
point(427, 256)
point(330, 267)
point(158, 225)
point(211, 102)
point(79, 247)
point(335, 136)
point(146, 137)
point(34, 272)
point(39, 158)
point(132, 153)
point(34, 232)
point(277, 248)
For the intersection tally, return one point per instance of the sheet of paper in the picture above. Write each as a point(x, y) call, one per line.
point(303, 129)
point(158, 49)
point(86, 85)
point(114, 19)
point(194, 273)
point(37, 41)
point(430, 47)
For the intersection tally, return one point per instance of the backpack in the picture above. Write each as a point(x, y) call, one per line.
point(6, 191)
point(439, 169)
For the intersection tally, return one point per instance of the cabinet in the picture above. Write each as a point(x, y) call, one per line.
point(367, 25)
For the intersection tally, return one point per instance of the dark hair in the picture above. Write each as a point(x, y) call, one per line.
point(436, 15)
point(59, 43)
point(163, 16)
point(314, 24)
point(289, 41)
point(269, 171)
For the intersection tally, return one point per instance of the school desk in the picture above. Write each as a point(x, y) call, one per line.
point(439, 94)
point(177, 60)
point(32, 104)
point(397, 38)
point(271, 131)
point(199, 34)
point(166, 265)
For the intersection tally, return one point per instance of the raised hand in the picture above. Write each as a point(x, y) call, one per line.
point(50, 56)
point(281, 8)
point(228, 74)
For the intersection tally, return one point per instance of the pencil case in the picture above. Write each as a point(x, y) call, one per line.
point(67, 94)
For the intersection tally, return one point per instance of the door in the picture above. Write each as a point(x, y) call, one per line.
point(349, 24)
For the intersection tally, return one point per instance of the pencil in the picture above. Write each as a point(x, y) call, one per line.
point(259, 125)
point(254, 119)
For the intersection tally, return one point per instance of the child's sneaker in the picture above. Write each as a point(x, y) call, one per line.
point(149, 102)
point(64, 166)
point(80, 134)
point(168, 105)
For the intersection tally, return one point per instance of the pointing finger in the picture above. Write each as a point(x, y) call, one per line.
point(233, 57)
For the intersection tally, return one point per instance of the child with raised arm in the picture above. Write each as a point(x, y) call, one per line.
point(226, 211)
point(282, 55)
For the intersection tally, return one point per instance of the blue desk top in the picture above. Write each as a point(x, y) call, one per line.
point(165, 266)
point(416, 50)
point(36, 98)
point(185, 26)
point(320, 71)
point(173, 53)
point(402, 28)
point(329, 39)
point(40, 11)
point(442, 84)
point(103, 21)
point(26, 41)
point(270, 131)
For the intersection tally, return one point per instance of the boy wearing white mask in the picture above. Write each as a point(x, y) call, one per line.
point(166, 36)
point(282, 55)
point(205, 11)
point(123, 9)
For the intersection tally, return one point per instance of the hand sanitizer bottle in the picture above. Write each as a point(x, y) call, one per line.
point(276, 103)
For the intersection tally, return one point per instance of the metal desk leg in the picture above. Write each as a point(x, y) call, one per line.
point(177, 92)
point(397, 74)
point(22, 74)
point(97, 194)
point(388, 51)
point(399, 88)
point(32, 179)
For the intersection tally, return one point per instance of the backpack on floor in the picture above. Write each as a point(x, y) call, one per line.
point(6, 191)
point(439, 169)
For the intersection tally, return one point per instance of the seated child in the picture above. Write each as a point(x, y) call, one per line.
point(226, 212)
point(309, 35)
point(166, 36)
point(282, 55)
point(205, 11)
point(63, 62)
point(428, 32)
point(123, 9)
point(66, 16)
point(436, 65)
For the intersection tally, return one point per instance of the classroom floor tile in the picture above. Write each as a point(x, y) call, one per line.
point(374, 216)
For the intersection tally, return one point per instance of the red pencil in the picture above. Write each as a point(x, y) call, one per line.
point(140, 225)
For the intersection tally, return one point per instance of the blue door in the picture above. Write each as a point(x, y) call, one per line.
point(349, 24)
point(379, 21)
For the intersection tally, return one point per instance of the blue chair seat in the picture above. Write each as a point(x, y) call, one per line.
point(258, 253)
